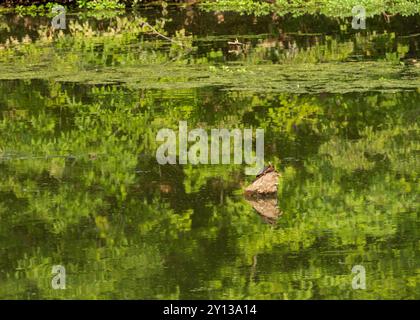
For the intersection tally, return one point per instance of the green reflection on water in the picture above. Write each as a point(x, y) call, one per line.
point(81, 186)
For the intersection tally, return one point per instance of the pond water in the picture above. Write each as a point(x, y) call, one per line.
point(80, 185)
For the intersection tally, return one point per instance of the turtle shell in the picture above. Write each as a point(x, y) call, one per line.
point(262, 171)
point(265, 170)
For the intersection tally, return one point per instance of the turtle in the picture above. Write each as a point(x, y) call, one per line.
point(266, 169)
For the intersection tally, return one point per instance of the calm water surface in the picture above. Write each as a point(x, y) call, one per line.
point(80, 185)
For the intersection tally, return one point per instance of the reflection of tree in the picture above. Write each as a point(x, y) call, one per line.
point(80, 184)
point(105, 203)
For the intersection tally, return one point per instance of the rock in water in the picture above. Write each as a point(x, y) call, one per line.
point(264, 185)
point(262, 195)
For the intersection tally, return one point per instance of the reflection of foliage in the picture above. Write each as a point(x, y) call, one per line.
point(80, 185)
point(99, 192)
point(270, 64)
